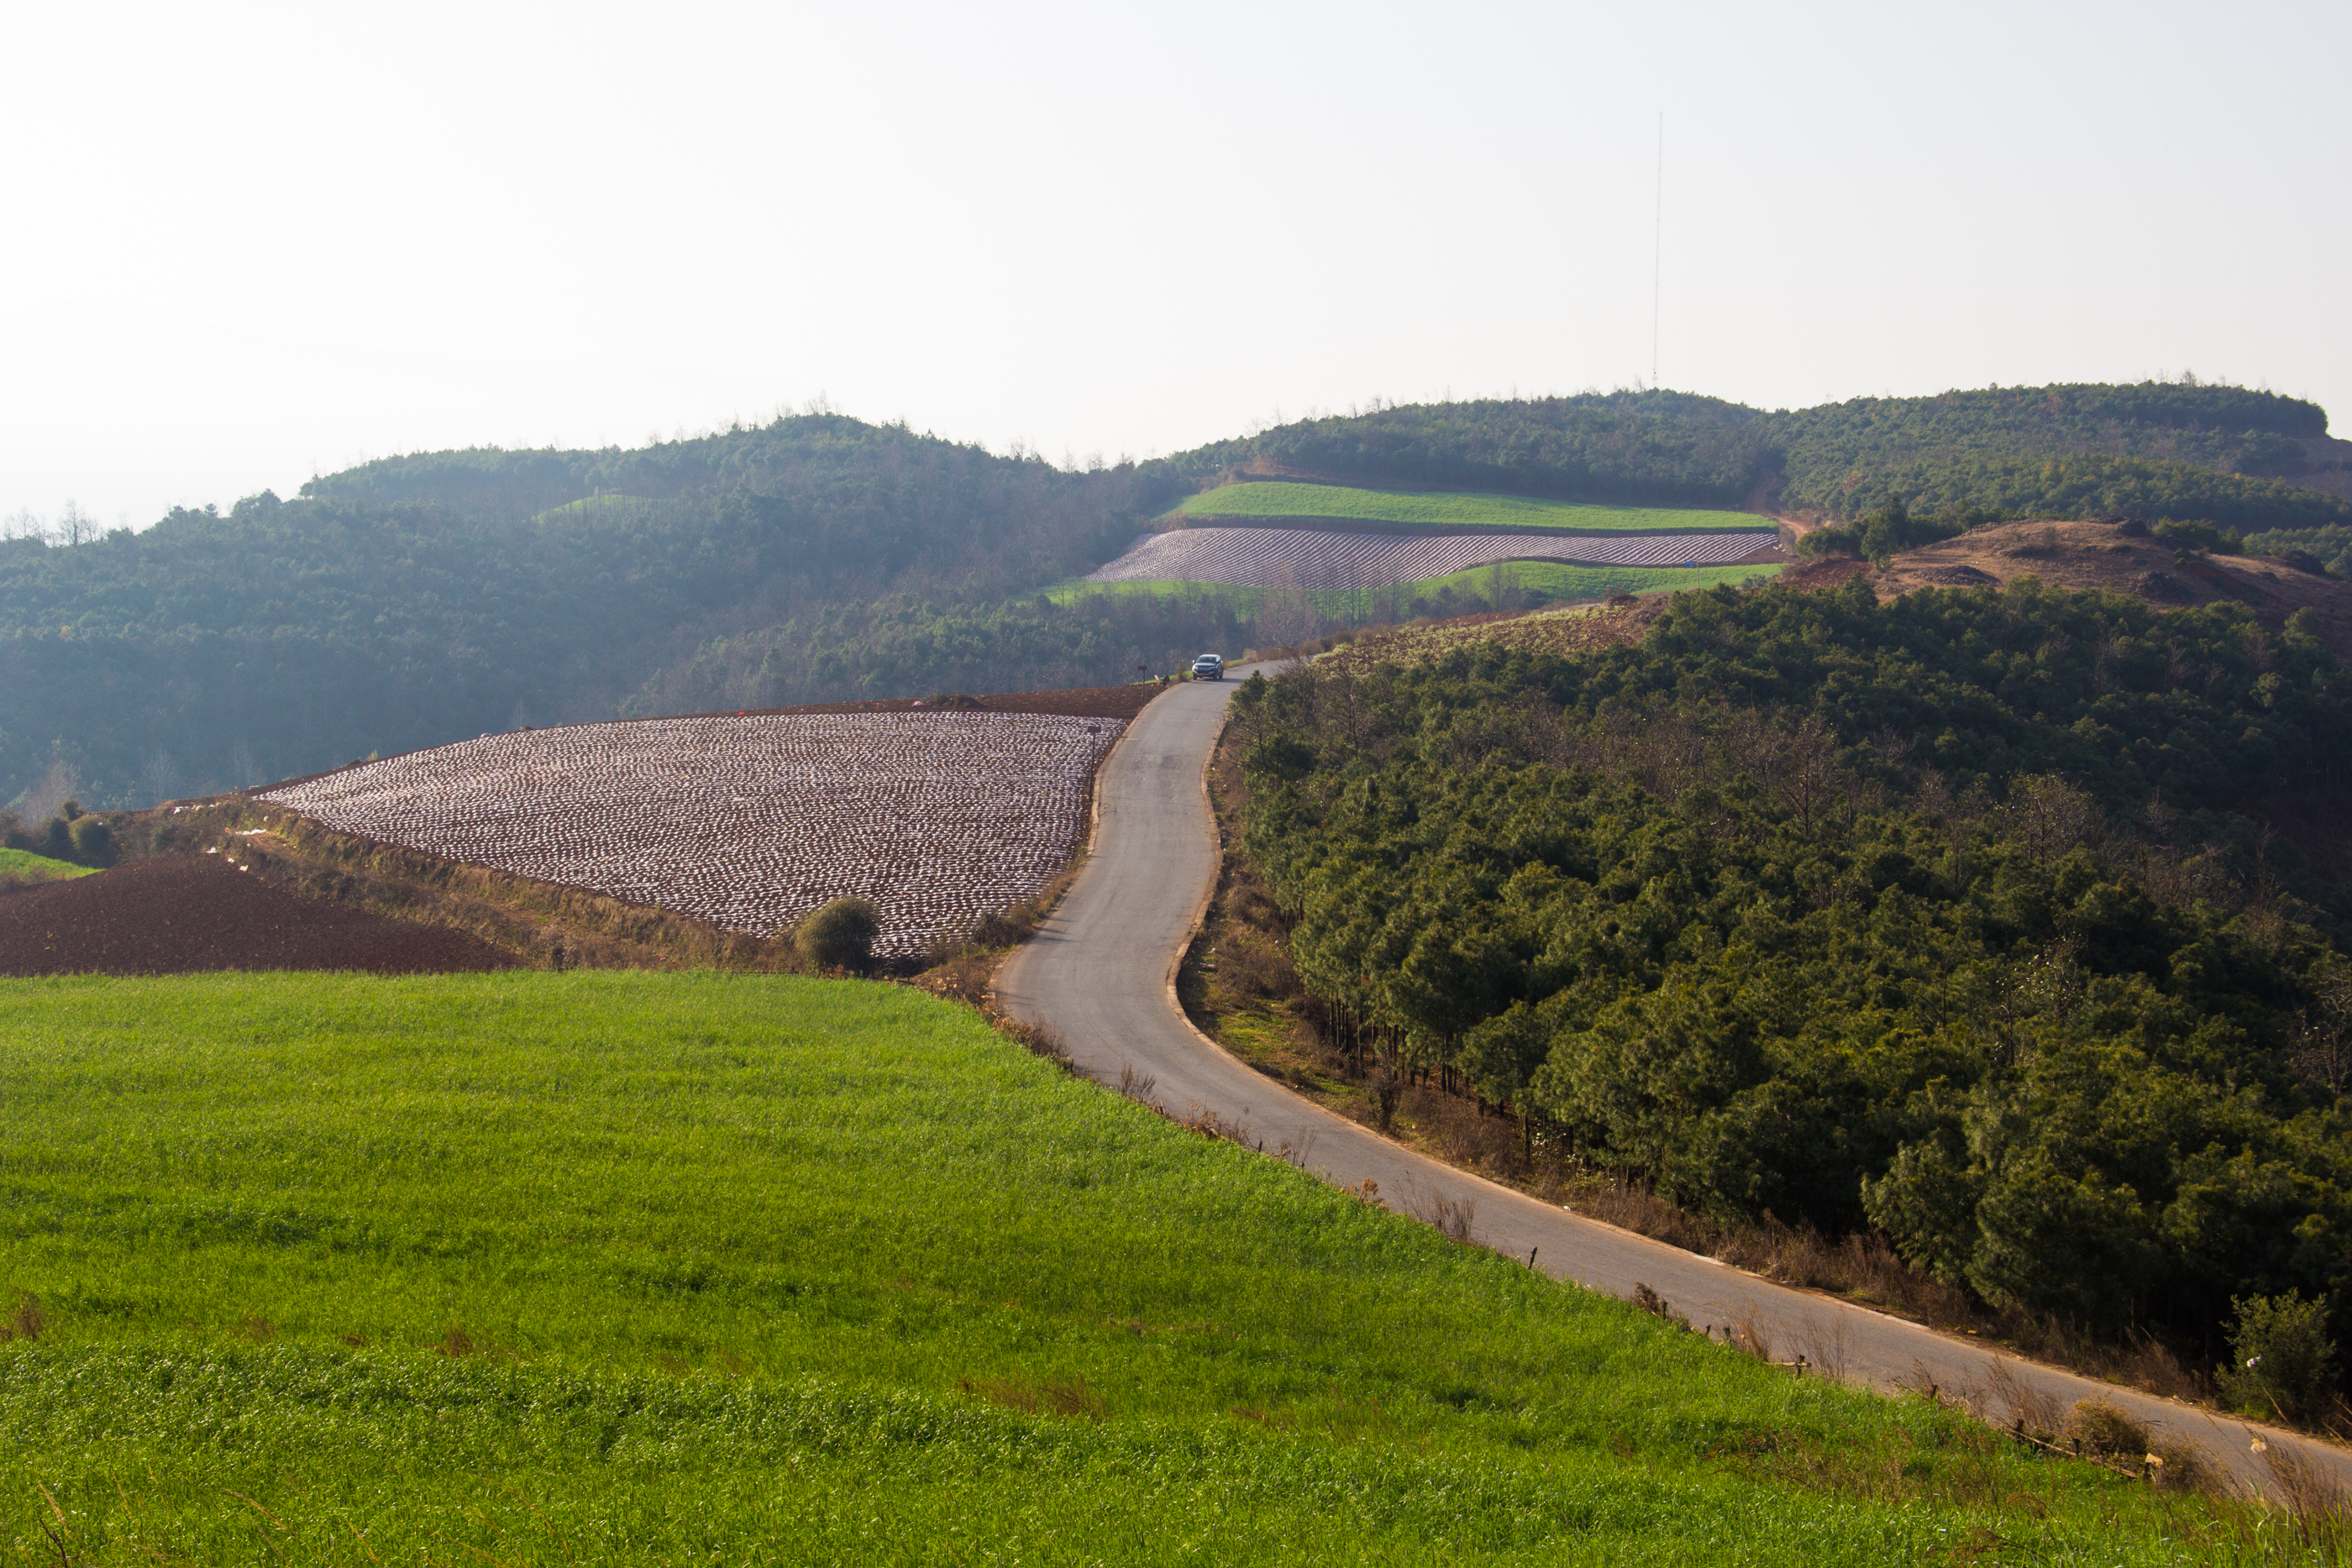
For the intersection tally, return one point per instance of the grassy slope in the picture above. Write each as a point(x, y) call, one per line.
point(600, 1267)
point(24, 865)
point(1453, 509)
point(1544, 582)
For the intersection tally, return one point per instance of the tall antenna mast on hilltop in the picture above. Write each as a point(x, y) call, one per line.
point(1657, 250)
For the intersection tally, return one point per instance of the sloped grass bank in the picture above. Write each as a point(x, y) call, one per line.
point(1296, 503)
point(22, 868)
point(600, 1267)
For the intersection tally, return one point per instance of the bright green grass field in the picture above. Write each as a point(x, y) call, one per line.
point(606, 1267)
point(1452, 509)
point(1543, 581)
point(24, 865)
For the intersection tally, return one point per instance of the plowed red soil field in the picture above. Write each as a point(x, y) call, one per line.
point(180, 915)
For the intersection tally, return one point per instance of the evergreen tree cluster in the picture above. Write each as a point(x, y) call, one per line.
point(1951, 918)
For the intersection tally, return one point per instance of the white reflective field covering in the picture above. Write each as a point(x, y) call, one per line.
point(751, 823)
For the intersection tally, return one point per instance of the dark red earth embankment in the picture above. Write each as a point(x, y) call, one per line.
point(178, 915)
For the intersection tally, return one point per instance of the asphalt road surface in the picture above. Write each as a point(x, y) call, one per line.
point(1101, 972)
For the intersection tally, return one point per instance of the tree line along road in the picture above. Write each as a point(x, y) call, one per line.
point(1101, 973)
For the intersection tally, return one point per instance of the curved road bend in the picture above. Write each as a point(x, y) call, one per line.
point(1101, 972)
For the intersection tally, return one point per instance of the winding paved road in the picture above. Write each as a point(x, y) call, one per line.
point(1102, 970)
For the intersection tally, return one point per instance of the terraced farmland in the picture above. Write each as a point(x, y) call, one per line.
point(751, 823)
point(1316, 559)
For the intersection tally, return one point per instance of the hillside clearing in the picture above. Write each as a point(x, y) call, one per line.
point(2078, 556)
point(611, 1268)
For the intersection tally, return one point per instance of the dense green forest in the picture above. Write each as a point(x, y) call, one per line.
point(1952, 918)
point(416, 599)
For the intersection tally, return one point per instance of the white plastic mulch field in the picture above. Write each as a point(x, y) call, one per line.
point(751, 823)
point(1313, 559)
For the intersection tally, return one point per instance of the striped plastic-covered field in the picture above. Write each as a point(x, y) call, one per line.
point(1309, 557)
point(751, 823)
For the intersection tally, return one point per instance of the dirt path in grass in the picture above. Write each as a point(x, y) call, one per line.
point(1101, 972)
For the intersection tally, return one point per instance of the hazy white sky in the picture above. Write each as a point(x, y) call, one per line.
point(246, 243)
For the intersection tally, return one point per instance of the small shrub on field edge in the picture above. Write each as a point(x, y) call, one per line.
point(840, 936)
point(2281, 1361)
point(93, 841)
point(2096, 1428)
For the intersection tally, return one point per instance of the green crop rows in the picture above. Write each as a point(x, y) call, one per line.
point(1448, 509)
point(604, 1268)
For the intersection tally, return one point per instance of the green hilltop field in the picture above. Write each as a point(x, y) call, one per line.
point(684, 1267)
point(1305, 504)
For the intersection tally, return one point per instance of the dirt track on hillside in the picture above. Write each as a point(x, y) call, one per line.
point(180, 915)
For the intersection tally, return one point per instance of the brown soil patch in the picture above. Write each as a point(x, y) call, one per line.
point(2084, 556)
point(1815, 576)
point(179, 915)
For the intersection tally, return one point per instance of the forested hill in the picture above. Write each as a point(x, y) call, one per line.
point(416, 599)
point(421, 599)
point(818, 508)
point(1658, 449)
point(2217, 454)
